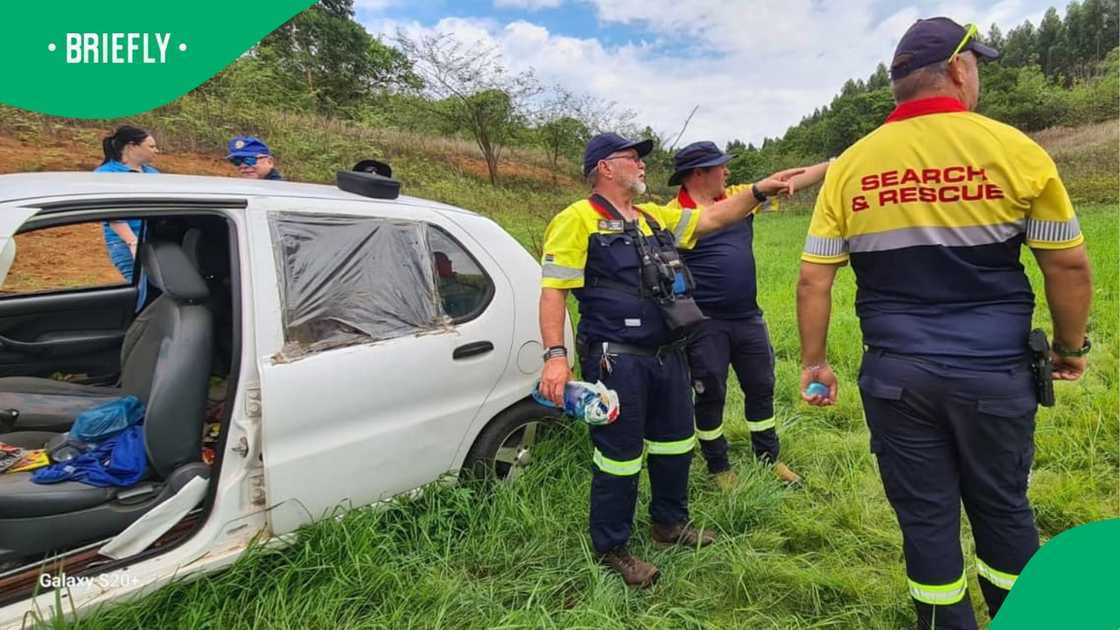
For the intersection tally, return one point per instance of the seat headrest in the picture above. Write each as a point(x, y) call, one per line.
point(169, 269)
point(208, 255)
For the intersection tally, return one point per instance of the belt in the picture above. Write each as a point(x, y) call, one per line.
point(613, 347)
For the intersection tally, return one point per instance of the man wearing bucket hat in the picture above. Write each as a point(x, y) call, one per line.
point(932, 209)
point(252, 158)
point(634, 294)
point(734, 333)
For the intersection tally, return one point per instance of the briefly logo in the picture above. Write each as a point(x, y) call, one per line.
point(117, 48)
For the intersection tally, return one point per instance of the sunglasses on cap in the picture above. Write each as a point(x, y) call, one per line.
point(247, 161)
point(969, 33)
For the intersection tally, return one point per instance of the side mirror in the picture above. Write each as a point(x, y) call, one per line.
point(7, 256)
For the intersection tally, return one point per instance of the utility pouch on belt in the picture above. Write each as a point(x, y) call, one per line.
point(1041, 367)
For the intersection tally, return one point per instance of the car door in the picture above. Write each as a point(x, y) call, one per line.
point(352, 422)
point(63, 306)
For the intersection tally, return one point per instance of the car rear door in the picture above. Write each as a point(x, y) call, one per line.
point(353, 423)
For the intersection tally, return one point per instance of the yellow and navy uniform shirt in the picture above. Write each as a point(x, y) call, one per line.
point(931, 209)
point(583, 248)
point(722, 264)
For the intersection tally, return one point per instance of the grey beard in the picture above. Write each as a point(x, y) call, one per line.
point(638, 187)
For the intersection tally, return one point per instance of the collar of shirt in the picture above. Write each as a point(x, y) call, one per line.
point(924, 106)
point(686, 200)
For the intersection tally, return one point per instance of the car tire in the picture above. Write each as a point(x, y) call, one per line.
point(503, 450)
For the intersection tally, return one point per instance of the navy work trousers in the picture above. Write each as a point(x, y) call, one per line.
point(743, 344)
point(655, 413)
point(945, 435)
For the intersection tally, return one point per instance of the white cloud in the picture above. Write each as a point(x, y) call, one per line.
point(753, 68)
point(373, 5)
point(527, 5)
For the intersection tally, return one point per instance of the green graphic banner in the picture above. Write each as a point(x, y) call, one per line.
point(92, 60)
point(1071, 582)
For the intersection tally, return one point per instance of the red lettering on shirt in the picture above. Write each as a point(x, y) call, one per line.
point(908, 195)
point(966, 196)
point(949, 194)
point(931, 176)
point(869, 182)
point(951, 179)
point(977, 173)
point(859, 203)
point(889, 178)
point(991, 191)
point(888, 196)
point(927, 194)
point(910, 177)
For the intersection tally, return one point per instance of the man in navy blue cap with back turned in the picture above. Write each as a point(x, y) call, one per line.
point(932, 210)
point(734, 333)
point(635, 300)
point(252, 158)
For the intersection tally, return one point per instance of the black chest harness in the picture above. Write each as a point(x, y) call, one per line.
point(662, 275)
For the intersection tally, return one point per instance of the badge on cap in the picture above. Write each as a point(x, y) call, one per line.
point(609, 225)
point(240, 144)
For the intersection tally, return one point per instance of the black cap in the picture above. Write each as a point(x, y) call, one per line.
point(605, 144)
point(930, 41)
point(696, 155)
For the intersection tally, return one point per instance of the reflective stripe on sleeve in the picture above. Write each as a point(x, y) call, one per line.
point(559, 272)
point(616, 467)
point(997, 578)
point(761, 425)
point(825, 246)
point(1052, 231)
point(709, 435)
point(682, 225)
point(939, 594)
point(678, 447)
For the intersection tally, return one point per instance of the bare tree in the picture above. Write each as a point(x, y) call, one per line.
point(566, 120)
point(472, 90)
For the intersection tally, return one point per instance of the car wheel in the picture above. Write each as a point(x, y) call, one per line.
point(504, 449)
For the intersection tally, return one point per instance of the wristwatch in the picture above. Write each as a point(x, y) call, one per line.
point(758, 194)
point(555, 351)
point(1063, 351)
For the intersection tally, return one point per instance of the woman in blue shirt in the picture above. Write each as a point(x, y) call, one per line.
point(128, 150)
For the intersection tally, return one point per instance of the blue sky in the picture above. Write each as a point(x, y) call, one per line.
point(752, 69)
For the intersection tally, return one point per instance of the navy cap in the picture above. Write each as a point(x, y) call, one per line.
point(930, 41)
point(604, 144)
point(247, 146)
point(696, 155)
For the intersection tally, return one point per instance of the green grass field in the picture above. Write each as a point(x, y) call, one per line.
point(825, 556)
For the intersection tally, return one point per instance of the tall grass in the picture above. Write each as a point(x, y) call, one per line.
point(826, 556)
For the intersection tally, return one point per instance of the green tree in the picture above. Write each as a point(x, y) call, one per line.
point(1020, 46)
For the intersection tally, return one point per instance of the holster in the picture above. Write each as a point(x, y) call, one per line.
point(681, 314)
point(1041, 367)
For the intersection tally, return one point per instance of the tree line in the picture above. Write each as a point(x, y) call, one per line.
point(1064, 71)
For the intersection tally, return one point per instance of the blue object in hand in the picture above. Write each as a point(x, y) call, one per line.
point(817, 388)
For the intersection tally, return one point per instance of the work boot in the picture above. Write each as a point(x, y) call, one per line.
point(725, 480)
point(785, 474)
point(683, 534)
point(635, 572)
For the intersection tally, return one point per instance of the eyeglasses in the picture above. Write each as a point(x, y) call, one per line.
point(637, 159)
point(247, 161)
point(969, 33)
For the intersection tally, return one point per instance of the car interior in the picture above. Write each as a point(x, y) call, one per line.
point(64, 352)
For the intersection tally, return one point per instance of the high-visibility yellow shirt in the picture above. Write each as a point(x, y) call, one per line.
point(931, 209)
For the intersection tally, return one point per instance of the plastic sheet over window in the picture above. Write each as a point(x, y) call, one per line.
point(348, 279)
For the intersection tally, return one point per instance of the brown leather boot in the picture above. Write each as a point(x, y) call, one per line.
point(683, 534)
point(635, 572)
point(725, 480)
point(786, 474)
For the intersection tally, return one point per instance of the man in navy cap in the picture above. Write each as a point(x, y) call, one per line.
point(635, 302)
point(252, 158)
point(735, 334)
point(932, 209)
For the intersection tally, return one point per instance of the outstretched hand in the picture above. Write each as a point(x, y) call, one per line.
point(780, 182)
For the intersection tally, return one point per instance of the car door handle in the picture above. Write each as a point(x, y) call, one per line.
point(472, 349)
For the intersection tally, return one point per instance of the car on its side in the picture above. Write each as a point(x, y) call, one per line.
point(298, 348)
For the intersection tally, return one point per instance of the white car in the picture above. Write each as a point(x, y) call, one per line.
point(299, 349)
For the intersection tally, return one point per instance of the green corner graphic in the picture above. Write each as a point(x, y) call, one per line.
point(90, 60)
point(1069, 583)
